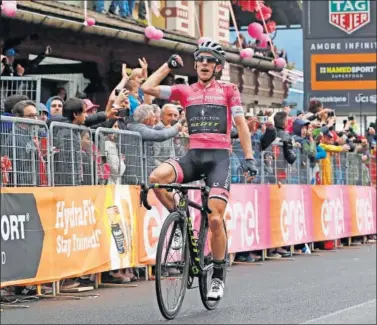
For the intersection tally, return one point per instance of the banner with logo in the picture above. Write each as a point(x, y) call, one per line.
point(246, 221)
point(340, 54)
point(268, 216)
point(290, 214)
point(53, 233)
point(343, 71)
point(49, 234)
point(331, 212)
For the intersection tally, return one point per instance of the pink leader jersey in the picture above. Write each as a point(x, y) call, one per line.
point(209, 110)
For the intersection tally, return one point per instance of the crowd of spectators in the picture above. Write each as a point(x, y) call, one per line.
point(308, 141)
point(318, 143)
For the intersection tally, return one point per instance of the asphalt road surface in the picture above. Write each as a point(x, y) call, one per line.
point(334, 288)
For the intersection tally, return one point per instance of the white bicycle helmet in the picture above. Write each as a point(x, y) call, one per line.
point(211, 47)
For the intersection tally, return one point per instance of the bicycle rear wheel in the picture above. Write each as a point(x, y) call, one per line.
point(206, 276)
point(169, 267)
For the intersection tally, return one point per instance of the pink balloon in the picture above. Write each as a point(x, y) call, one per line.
point(150, 32)
point(203, 40)
point(280, 63)
point(91, 21)
point(247, 53)
point(9, 8)
point(158, 35)
point(255, 30)
point(264, 38)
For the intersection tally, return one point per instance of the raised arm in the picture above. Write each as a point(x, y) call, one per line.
point(120, 86)
point(151, 86)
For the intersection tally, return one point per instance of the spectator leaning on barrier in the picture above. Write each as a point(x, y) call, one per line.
point(23, 149)
point(165, 150)
point(68, 158)
point(144, 122)
point(74, 113)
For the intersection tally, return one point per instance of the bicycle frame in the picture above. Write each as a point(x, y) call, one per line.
point(183, 208)
point(194, 248)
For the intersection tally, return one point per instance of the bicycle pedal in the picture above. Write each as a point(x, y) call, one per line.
point(193, 287)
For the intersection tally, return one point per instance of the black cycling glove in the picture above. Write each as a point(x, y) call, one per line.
point(249, 166)
point(173, 63)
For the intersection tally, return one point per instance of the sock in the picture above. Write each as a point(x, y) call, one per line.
point(218, 269)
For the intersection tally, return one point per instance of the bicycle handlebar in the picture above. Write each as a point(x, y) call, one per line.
point(180, 187)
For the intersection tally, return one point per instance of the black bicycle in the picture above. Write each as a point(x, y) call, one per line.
point(192, 262)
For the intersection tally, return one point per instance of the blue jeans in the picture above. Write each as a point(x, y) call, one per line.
point(126, 7)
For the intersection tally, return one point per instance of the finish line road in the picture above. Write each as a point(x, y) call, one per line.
point(334, 288)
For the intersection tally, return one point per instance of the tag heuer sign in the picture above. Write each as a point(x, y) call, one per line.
point(349, 15)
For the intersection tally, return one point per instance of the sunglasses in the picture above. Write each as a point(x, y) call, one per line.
point(209, 59)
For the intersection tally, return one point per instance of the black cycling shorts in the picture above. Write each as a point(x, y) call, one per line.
point(212, 164)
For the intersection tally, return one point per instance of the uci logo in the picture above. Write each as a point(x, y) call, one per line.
point(360, 98)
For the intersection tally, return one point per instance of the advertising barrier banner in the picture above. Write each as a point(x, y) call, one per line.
point(53, 233)
point(58, 232)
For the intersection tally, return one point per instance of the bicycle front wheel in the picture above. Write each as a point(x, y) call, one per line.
point(172, 266)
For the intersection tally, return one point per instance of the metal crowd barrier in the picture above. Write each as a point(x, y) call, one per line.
point(155, 153)
point(237, 158)
point(71, 155)
point(24, 152)
point(350, 169)
point(28, 86)
point(119, 156)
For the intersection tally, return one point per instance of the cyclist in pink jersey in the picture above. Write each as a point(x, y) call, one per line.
point(210, 107)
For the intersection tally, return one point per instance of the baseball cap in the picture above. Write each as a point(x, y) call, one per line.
point(11, 52)
point(89, 105)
